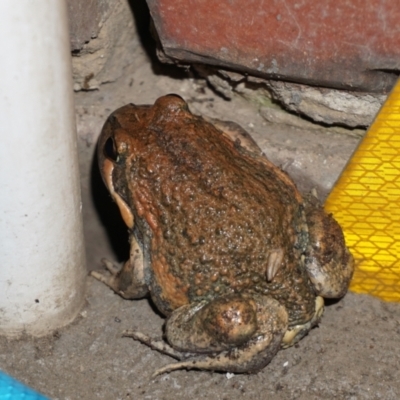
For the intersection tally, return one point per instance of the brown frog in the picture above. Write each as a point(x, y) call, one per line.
point(220, 238)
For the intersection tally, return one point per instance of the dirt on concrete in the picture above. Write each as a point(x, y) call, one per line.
point(353, 354)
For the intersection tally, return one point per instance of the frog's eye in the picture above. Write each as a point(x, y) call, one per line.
point(110, 150)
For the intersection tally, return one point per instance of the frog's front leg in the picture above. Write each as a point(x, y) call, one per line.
point(329, 263)
point(233, 333)
point(127, 281)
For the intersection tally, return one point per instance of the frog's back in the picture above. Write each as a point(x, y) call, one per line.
point(215, 215)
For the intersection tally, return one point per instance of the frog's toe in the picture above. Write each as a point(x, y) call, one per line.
point(195, 363)
point(109, 277)
point(104, 276)
point(169, 368)
point(111, 267)
point(155, 344)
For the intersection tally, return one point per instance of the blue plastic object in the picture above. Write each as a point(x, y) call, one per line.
point(11, 389)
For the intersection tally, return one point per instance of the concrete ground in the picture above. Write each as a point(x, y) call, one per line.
point(353, 354)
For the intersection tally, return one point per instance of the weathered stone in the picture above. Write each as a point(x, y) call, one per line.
point(103, 58)
point(325, 106)
point(279, 116)
point(329, 106)
point(85, 18)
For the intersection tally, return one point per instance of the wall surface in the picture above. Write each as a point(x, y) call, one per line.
point(85, 19)
point(103, 41)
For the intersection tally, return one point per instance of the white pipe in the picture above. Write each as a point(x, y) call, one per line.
point(42, 263)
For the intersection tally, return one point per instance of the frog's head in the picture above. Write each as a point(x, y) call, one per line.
point(125, 137)
point(114, 151)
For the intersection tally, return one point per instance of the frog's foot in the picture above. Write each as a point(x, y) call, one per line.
point(297, 332)
point(103, 276)
point(233, 333)
point(127, 281)
point(111, 279)
point(328, 262)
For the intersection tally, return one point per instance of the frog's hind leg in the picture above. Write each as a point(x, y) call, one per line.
point(127, 281)
point(233, 333)
point(329, 263)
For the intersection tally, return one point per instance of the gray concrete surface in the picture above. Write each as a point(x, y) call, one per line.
point(353, 354)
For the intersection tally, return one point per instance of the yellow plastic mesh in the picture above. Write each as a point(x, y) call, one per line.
point(366, 203)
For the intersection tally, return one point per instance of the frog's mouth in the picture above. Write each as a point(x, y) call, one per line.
point(108, 157)
point(126, 213)
point(107, 168)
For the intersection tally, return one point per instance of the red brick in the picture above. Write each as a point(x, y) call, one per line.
point(348, 44)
